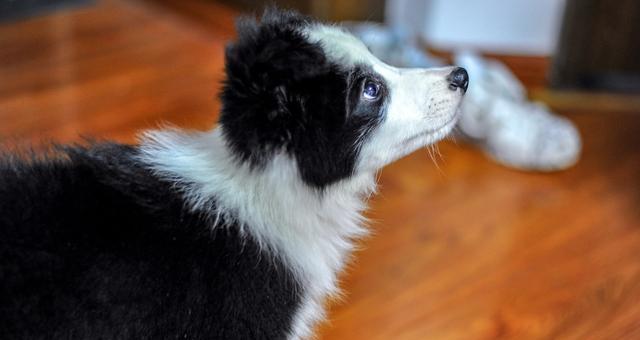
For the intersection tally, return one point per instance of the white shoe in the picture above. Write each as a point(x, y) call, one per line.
point(515, 132)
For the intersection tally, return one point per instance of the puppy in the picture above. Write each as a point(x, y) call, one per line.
point(234, 233)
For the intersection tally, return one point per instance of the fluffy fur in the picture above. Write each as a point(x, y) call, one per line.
point(234, 233)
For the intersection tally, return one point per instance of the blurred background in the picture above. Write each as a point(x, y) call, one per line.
point(464, 248)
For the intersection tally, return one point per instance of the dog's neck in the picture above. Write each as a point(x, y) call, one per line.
point(311, 229)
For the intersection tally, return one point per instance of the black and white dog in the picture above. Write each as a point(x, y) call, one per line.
point(234, 233)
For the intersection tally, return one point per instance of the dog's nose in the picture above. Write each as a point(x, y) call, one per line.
point(459, 78)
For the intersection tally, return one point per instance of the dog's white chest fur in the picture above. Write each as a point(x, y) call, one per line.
point(312, 230)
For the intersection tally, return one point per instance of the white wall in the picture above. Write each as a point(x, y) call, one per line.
point(500, 26)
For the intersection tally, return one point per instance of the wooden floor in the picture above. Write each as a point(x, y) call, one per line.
point(463, 250)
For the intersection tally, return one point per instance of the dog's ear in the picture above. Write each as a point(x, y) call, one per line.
point(278, 82)
point(274, 50)
point(269, 57)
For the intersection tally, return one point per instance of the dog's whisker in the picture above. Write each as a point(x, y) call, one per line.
point(433, 159)
point(437, 150)
point(454, 132)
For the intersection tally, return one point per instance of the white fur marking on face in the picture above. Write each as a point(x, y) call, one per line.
point(420, 102)
point(339, 45)
point(311, 231)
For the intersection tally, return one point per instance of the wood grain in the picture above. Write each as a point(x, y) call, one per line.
point(463, 250)
point(106, 71)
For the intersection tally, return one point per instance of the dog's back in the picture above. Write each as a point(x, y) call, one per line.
point(94, 245)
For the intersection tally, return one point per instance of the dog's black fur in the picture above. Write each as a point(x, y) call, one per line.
point(94, 246)
point(282, 92)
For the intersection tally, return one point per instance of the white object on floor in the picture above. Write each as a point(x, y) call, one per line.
point(511, 129)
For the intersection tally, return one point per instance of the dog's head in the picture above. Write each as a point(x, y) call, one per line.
point(316, 93)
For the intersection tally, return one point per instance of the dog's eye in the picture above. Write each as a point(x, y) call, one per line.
point(371, 90)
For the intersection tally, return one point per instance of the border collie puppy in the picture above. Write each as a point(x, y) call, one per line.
point(234, 233)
